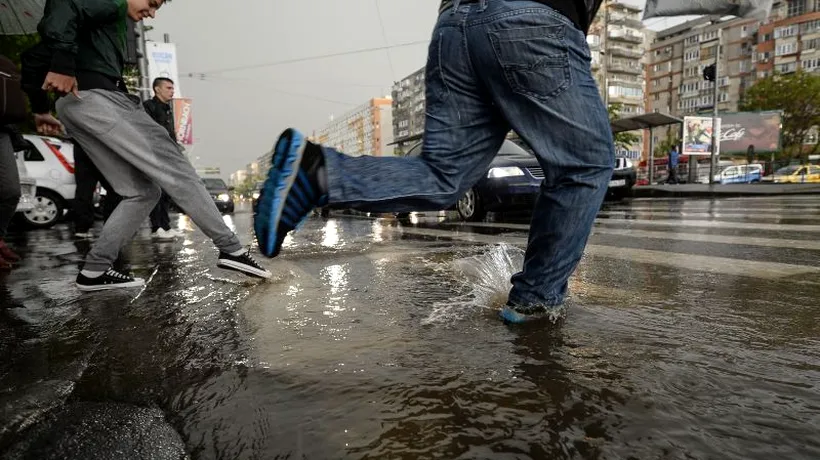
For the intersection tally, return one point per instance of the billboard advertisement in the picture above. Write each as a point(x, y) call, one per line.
point(697, 135)
point(162, 62)
point(184, 121)
point(760, 130)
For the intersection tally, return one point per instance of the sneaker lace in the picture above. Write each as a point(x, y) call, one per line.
point(117, 275)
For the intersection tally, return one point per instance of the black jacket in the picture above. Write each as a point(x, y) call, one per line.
point(162, 114)
point(580, 12)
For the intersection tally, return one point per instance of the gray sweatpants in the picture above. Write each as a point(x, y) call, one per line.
point(9, 183)
point(139, 160)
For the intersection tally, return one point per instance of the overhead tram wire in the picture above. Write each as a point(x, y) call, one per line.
point(304, 59)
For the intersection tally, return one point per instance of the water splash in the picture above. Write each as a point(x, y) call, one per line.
point(485, 276)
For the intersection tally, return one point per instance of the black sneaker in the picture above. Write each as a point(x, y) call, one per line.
point(111, 279)
point(242, 263)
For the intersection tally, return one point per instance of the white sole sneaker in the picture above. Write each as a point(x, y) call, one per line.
point(240, 267)
point(138, 282)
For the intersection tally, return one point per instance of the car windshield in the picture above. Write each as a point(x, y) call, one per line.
point(213, 184)
point(788, 170)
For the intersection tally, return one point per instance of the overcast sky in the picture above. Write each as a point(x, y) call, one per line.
point(239, 113)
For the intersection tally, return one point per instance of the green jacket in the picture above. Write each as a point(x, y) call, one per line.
point(85, 35)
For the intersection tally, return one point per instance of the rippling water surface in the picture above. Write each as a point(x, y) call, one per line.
point(369, 343)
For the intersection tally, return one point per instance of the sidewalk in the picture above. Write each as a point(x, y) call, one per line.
point(723, 191)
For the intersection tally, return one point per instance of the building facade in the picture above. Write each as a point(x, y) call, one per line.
point(366, 130)
point(790, 40)
point(408, 109)
point(617, 45)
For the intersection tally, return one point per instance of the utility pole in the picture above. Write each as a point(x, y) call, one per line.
point(605, 54)
point(715, 131)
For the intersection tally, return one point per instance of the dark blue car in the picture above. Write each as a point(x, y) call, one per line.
point(511, 184)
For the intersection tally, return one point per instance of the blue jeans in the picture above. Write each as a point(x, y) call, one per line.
point(491, 67)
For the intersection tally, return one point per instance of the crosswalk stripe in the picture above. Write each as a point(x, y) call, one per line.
point(699, 263)
point(704, 238)
point(720, 210)
point(716, 214)
point(713, 224)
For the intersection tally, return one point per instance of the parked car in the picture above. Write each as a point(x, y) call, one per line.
point(737, 174)
point(221, 194)
point(28, 186)
point(49, 161)
point(624, 177)
point(797, 174)
point(510, 184)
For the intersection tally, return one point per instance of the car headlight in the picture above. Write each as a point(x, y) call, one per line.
point(509, 171)
point(255, 195)
point(224, 197)
point(628, 164)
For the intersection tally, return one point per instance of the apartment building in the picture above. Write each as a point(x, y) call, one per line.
point(616, 40)
point(679, 55)
point(408, 109)
point(366, 130)
point(790, 40)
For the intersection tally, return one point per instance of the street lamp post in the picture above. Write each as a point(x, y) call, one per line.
point(716, 111)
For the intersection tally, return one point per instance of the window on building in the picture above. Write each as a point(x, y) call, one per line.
point(707, 36)
point(744, 66)
point(767, 37)
point(785, 32)
point(693, 40)
point(811, 65)
point(744, 31)
point(796, 8)
point(811, 26)
point(786, 48)
point(811, 44)
point(787, 68)
point(691, 55)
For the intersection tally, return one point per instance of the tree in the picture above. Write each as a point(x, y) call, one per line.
point(665, 146)
point(623, 140)
point(798, 95)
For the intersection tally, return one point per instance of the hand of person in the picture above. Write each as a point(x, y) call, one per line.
point(47, 125)
point(62, 84)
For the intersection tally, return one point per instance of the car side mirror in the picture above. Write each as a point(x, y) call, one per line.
point(231, 188)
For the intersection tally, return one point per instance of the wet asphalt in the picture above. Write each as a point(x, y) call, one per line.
point(691, 333)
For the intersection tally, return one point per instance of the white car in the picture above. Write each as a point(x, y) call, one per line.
point(50, 161)
point(28, 186)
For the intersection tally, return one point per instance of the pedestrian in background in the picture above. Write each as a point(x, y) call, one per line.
point(674, 161)
point(159, 108)
point(80, 58)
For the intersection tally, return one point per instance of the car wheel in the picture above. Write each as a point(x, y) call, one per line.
point(469, 206)
point(48, 209)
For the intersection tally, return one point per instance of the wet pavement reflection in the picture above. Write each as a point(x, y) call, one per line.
point(692, 332)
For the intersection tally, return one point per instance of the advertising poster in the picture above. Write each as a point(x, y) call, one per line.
point(697, 135)
point(759, 130)
point(184, 121)
point(162, 62)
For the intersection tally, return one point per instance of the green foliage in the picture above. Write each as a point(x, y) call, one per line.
point(665, 146)
point(798, 95)
point(624, 140)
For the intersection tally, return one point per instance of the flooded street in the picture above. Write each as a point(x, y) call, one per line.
point(692, 332)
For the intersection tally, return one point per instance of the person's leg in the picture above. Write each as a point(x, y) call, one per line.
point(120, 126)
point(463, 132)
point(86, 180)
point(9, 196)
point(536, 64)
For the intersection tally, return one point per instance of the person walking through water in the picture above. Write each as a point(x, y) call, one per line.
point(80, 57)
point(159, 108)
point(492, 66)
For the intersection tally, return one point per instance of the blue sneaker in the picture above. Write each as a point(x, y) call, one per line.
point(512, 314)
point(290, 193)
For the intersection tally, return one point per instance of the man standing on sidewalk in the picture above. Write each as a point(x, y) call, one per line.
point(81, 58)
point(159, 108)
point(492, 66)
point(674, 160)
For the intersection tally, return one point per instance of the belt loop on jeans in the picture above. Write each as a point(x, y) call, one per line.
point(456, 3)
